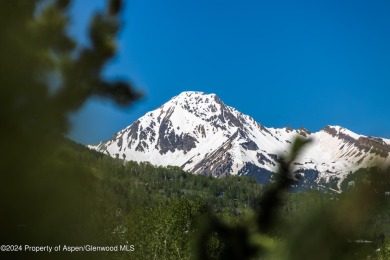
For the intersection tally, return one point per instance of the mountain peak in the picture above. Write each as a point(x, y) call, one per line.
point(191, 93)
point(198, 132)
point(198, 104)
point(195, 96)
point(336, 130)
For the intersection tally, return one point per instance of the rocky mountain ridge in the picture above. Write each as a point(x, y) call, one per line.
point(201, 134)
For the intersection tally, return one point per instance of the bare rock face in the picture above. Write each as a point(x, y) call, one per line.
point(366, 144)
point(201, 134)
point(374, 145)
point(168, 140)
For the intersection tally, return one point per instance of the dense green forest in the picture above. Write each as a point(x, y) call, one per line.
point(160, 210)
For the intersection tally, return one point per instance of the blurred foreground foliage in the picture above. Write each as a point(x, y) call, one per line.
point(53, 191)
point(44, 77)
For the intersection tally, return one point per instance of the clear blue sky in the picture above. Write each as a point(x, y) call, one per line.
point(297, 63)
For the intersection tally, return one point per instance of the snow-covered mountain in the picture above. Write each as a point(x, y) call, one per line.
point(201, 134)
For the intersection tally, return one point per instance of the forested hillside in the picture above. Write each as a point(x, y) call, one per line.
point(160, 210)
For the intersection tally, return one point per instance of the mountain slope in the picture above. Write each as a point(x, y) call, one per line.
point(201, 134)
